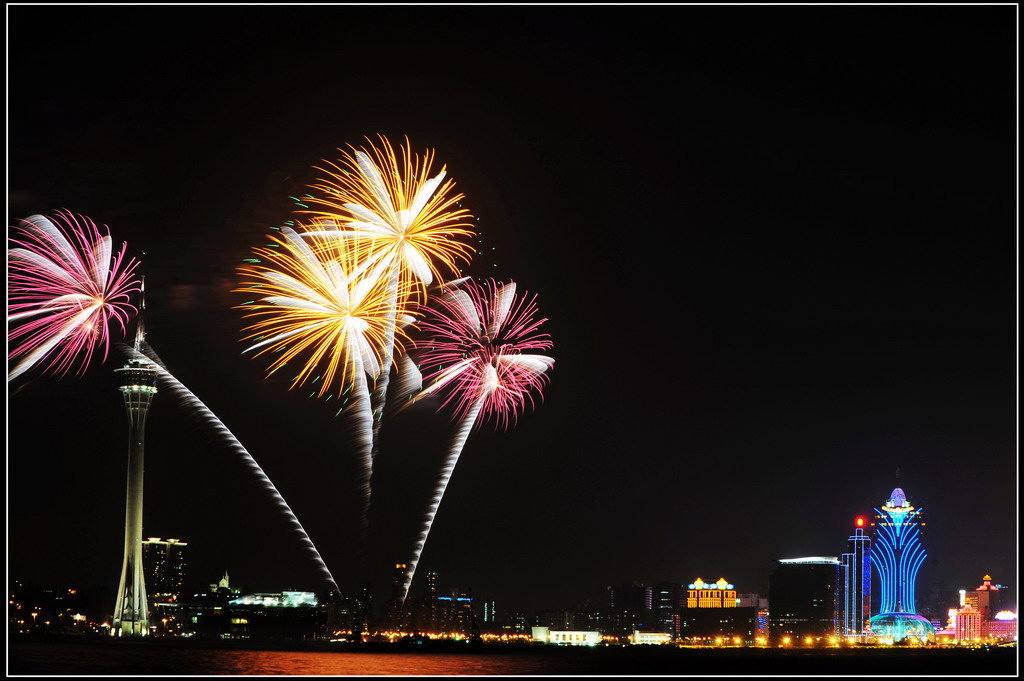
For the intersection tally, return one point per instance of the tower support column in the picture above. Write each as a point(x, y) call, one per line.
point(131, 610)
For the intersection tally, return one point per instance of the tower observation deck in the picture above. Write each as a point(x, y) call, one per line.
point(131, 612)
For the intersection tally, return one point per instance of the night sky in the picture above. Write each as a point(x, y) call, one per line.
point(776, 247)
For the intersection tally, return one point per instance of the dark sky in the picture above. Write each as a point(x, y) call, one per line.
point(776, 247)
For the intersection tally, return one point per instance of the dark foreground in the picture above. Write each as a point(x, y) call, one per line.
point(179, 658)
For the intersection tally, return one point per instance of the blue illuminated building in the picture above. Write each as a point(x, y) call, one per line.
point(897, 555)
point(855, 609)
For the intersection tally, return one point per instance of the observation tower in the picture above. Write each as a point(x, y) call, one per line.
point(138, 386)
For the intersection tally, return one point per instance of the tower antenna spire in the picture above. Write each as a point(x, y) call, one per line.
point(140, 327)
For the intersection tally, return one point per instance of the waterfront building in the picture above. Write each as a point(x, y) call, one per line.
point(897, 555)
point(566, 638)
point(164, 560)
point(650, 638)
point(286, 615)
point(720, 594)
point(138, 386)
point(802, 598)
point(855, 604)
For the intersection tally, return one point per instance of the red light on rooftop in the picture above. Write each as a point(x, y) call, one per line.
point(860, 522)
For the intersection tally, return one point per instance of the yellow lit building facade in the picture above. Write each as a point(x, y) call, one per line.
point(720, 594)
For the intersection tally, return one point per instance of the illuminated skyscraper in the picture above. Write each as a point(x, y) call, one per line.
point(856, 598)
point(897, 554)
point(138, 386)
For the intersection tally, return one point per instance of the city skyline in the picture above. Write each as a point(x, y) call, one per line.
point(777, 267)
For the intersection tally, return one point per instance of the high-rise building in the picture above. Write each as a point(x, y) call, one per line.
point(455, 613)
point(629, 608)
point(397, 610)
point(490, 613)
point(429, 612)
point(897, 555)
point(665, 602)
point(131, 610)
point(897, 552)
point(164, 560)
point(855, 610)
point(987, 598)
point(361, 616)
point(802, 599)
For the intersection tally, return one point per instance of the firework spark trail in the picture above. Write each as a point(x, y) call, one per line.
point(452, 458)
point(479, 337)
point(64, 287)
point(172, 385)
point(322, 305)
point(397, 215)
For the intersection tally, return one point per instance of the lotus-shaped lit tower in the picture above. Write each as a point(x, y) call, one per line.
point(897, 554)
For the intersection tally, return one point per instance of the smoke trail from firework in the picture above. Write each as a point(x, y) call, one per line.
point(185, 396)
point(481, 335)
point(64, 288)
point(396, 215)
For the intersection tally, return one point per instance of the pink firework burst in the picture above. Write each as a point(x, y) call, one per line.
point(65, 288)
point(482, 350)
point(480, 355)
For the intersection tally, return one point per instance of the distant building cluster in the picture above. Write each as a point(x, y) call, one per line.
point(980, 616)
point(811, 601)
